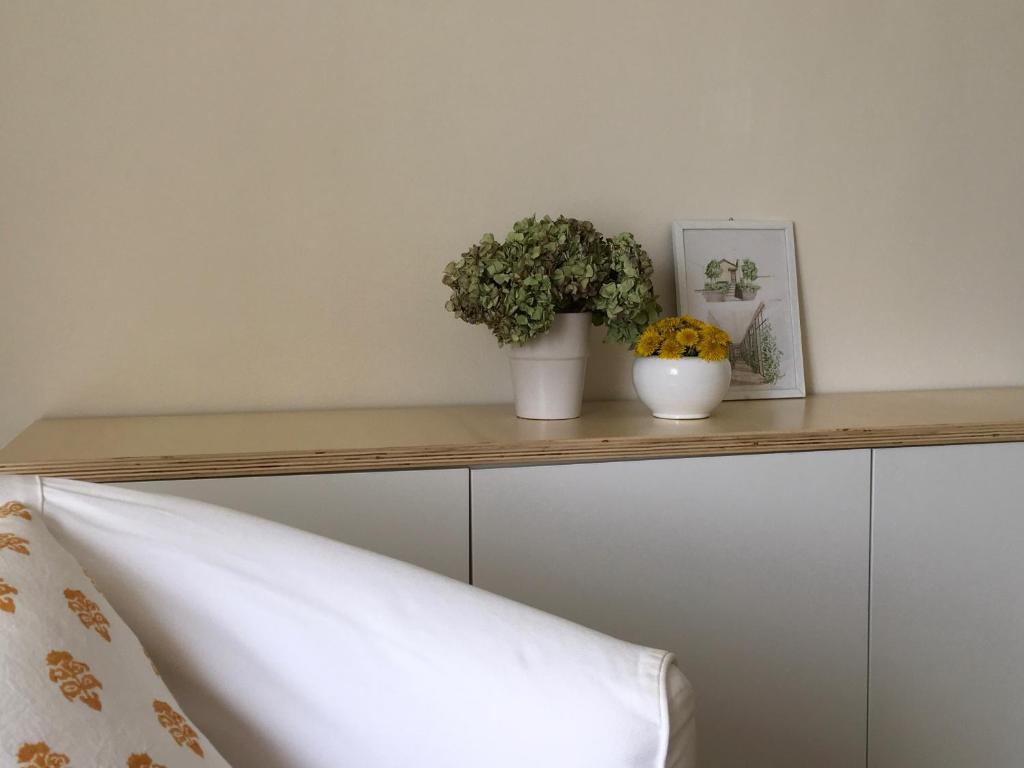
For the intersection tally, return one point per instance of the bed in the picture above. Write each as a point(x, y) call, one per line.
point(287, 649)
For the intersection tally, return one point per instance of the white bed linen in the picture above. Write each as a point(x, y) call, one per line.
point(291, 650)
point(76, 688)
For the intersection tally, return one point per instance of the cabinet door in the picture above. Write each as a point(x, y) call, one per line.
point(752, 569)
point(947, 607)
point(421, 517)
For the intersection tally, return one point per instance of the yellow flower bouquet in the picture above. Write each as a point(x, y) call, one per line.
point(672, 338)
point(682, 368)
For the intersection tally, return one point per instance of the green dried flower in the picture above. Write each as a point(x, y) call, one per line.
point(546, 266)
point(626, 302)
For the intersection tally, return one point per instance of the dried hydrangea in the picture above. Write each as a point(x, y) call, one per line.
point(546, 266)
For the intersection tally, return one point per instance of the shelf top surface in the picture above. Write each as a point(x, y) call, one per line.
point(835, 420)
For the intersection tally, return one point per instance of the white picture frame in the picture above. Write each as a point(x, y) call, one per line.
point(761, 315)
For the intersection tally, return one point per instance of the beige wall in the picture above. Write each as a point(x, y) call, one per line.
point(247, 205)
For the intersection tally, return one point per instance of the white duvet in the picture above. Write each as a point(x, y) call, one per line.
point(289, 650)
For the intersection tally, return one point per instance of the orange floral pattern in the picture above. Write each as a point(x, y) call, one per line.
point(6, 601)
point(14, 543)
point(177, 726)
point(39, 755)
point(74, 678)
point(143, 761)
point(88, 613)
point(15, 509)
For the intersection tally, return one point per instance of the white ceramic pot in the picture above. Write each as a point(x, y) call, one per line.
point(548, 371)
point(687, 388)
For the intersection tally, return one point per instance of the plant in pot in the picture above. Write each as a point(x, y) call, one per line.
point(540, 290)
point(747, 288)
point(682, 368)
point(715, 288)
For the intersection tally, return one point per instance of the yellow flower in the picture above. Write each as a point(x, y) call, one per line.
point(688, 337)
point(672, 337)
point(715, 335)
point(648, 343)
point(671, 349)
point(712, 352)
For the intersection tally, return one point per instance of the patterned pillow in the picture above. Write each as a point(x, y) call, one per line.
point(76, 686)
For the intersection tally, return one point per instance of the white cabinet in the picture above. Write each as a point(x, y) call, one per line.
point(421, 517)
point(752, 569)
point(947, 607)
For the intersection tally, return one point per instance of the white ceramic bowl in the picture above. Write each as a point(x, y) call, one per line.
point(687, 388)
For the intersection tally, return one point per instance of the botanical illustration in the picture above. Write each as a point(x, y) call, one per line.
point(741, 276)
point(756, 357)
point(741, 288)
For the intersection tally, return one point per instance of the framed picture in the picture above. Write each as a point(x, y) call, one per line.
point(741, 276)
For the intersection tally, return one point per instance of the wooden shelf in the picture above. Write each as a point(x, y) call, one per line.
point(225, 445)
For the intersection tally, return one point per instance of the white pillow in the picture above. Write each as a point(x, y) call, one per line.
point(76, 686)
